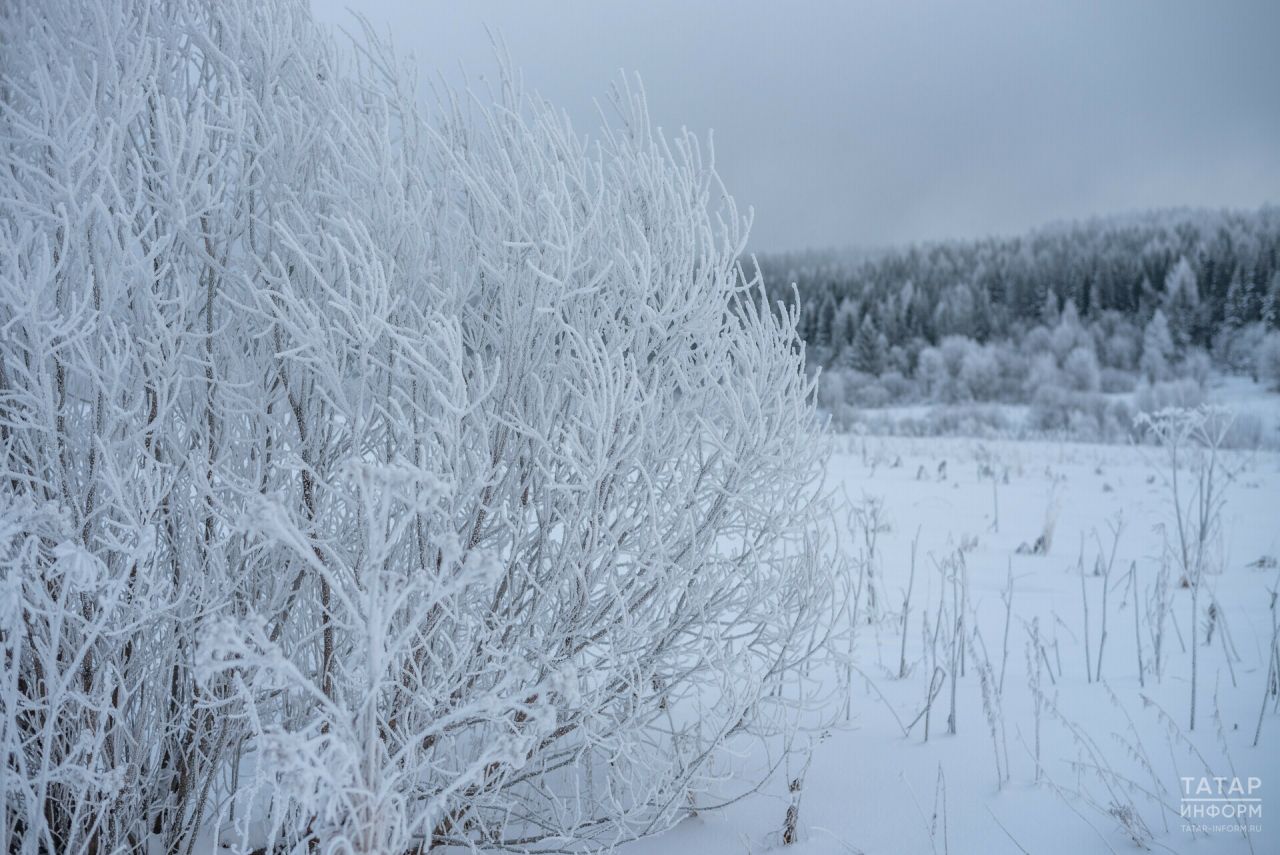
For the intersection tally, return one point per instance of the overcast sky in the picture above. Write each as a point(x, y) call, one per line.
point(874, 123)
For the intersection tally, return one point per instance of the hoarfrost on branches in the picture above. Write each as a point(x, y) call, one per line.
point(376, 475)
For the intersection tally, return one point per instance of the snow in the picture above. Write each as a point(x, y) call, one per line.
point(870, 789)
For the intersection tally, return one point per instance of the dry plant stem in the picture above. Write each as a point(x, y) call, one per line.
point(791, 821)
point(1224, 643)
point(1033, 675)
point(992, 705)
point(1084, 602)
point(995, 504)
point(879, 694)
point(957, 634)
point(1193, 440)
point(1272, 676)
point(940, 793)
point(1116, 528)
point(1007, 834)
point(906, 607)
point(1137, 634)
point(936, 672)
point(1007, 596)
point(1220, 731)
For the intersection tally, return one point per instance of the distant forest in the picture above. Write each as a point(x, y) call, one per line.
point(1136, 304)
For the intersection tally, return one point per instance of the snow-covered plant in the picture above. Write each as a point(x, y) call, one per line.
point(1267, 361)
point(375, 476)
point(1198, 471)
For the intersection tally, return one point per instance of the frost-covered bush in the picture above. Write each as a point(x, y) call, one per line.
point(1249, 430)
point(901, 358)
point(979, 374)
point(1267, 361)
point(1043, 373)
point(1118, 341)
point(1013, 369)
point(932, 373)
point(982, 420)
point(1082, 415)
point(394, 480)
point(1173, 394)
point(1036, 341)
point(898, 387)
point(1114, 380)
point(874, 395)
point(1236, 348)
point(1080, 370)
point(1196, 366)
point(959, 369)
point(954, 349)
point(1069, 334)
point(833, 389)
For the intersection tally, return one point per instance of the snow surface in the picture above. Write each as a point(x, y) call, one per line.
point(870, 789)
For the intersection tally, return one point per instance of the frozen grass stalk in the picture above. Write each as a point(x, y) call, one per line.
point(1116, 526)
point(1007, 597)
point(1137, 615)
point(906, 608)
point(1084, 603)
point(1192, 440)
point(1268, 686)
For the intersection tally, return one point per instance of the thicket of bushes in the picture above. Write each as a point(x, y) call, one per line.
point(379, 476)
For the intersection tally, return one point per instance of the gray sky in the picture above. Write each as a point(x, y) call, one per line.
point(872, 123)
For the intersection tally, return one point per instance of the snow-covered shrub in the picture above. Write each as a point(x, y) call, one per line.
point(1267, 361)
point(1069, 334)
point(394, 480)
point(1043, 373)
point(1196, 366)
point(833, 389)
point(1037, 341)
point(1080, 370)
point(954, 348)
point(960, 369)
point(1173, 394)
point(1115, 380)
point(1236, 348)
point(979, 374)
point(1082, 415)
point(1050, 409)
point(932, 374)
point(874, 395)
point(898, 387)
point(982, 420)
point(1249, 430)
point(1013, 368)
point(900, 358)
point(1118, 341)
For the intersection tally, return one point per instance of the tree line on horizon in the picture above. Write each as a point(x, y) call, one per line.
point(1110, 305)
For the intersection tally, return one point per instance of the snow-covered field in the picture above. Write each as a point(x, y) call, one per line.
point(1113, 752)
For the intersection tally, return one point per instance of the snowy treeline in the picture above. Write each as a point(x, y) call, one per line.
point(1104, 306)
point(375, 475)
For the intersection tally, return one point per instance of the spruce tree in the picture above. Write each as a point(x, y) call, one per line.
point(1157, 348)
point(1182, 303)
point(869, 347)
